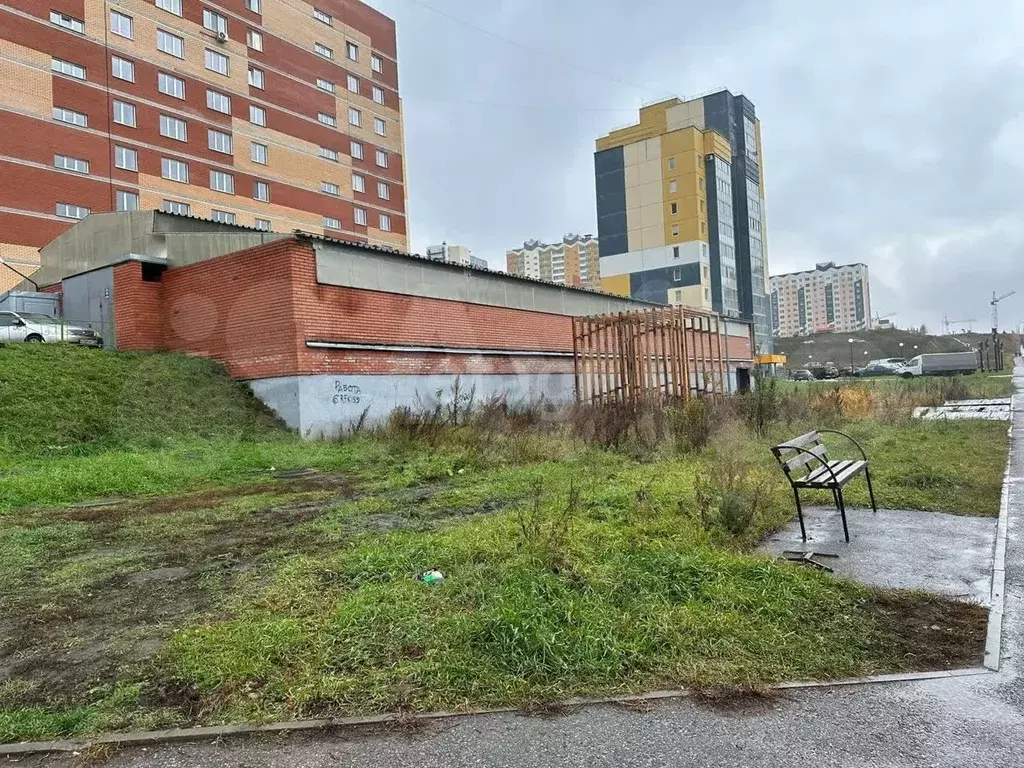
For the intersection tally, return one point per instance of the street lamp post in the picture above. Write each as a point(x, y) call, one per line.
point(901, 349)
point(851, 352)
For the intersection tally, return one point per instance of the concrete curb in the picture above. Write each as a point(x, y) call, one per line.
point(993, 640)
point(212, 733)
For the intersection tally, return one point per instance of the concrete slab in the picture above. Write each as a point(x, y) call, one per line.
point(945, 554)
point(991, 410)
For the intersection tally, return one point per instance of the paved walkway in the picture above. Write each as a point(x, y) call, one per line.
point(954, 722)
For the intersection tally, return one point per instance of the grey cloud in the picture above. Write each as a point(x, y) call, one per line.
point(893, 131)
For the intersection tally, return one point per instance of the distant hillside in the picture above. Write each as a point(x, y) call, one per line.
point(55, 397)
point(835, 347)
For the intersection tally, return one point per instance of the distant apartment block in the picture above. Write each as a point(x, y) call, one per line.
point(575, 261)
point(272, 114)
point(455, 254)
point(826, 298)
point(680, 206)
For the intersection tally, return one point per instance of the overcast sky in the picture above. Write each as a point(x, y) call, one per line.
point(893, 131)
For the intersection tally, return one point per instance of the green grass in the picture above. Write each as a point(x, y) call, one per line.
point(218, 593)
point(976, 386)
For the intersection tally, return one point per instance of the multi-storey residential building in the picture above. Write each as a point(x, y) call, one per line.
point(276, 114)
point(575, 261)
point(826, 298)
point(680, 206)
point(455, 254)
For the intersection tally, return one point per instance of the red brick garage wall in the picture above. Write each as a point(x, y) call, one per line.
point(138, 309)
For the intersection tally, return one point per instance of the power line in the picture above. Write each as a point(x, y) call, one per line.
point(542, 51)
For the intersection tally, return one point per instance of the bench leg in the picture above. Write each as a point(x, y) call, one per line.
point(842, 514)
point(800, 513)
point(871, 492)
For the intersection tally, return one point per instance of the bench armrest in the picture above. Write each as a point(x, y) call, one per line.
point(843, 434)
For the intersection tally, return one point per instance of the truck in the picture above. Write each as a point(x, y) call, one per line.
point(940, 364)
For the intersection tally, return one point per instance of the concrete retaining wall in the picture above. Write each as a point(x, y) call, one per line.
point(324, 406)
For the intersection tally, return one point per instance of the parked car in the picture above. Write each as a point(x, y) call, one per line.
point(877, 368)
point(825, 371)
point(802, 374)
point(941, 364)
point(892, 363)
point(36, 327)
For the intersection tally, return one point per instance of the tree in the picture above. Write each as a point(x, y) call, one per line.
point(924, 330)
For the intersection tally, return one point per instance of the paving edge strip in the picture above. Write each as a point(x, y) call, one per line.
point(993, 640)
point(991, 664)
point(149, 738)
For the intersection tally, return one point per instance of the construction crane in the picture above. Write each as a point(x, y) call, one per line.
point(880, 317)
point(946, 323)
point(995, 309)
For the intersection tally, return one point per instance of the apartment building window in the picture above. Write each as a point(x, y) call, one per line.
point(256, 78)
point(383, 191)
point(72, 211)
point(382, 158)
point(360, 216)
point(171, 6)
point(122, 69)
point(355, 117)
point(677, 275)
point(356, 150)
point(170, 85)
point(68, 68)
point(353, 83)
point(263, 225)
point(71, 163)
point(671, 163)
point(261, 191)
point(673, 187)
point(330, 188)
point(329, 154)
point(332, 223)
point(121, 25)
point(216, 62)
point(326, 119)
point(174, 170)
point(380, 127)
point(223, 217)
point(170, 44)
point(259, 153)
point(218, 141)
point(126, 159)
point(323, 50)
point(70, 116)
point(675, 230)
point(126, 201)
point(376, 63)
point(675, 251)
point(218, 102)
point(222, 182)
point(325, 85)
point(173, 206)
point(173, 128)
point(68, 22)
point(124, 113)
point(214, 21)
point(378, 95)
point(673, 208)
point(322, 17)
point(385, 222)
point(358, 183)
point(253, 5)
point(352, 51)
point(254, 39)
point(257, 115)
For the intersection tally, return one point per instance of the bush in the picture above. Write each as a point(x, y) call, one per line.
point(761, 405)
point(733, 489)
point(691, 425)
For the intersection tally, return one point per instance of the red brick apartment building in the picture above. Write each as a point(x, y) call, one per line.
point(271, 114)
point(325, 330)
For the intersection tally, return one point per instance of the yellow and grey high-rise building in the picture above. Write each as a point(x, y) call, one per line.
point(680, 209)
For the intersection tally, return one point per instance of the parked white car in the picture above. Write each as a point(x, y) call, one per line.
point(38, 328)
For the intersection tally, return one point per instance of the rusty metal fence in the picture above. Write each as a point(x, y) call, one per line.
point(661, 354)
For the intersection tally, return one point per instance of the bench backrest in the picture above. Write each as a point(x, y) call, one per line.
point(801, 454)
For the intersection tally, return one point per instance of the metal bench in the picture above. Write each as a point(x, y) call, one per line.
point(806, 463)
